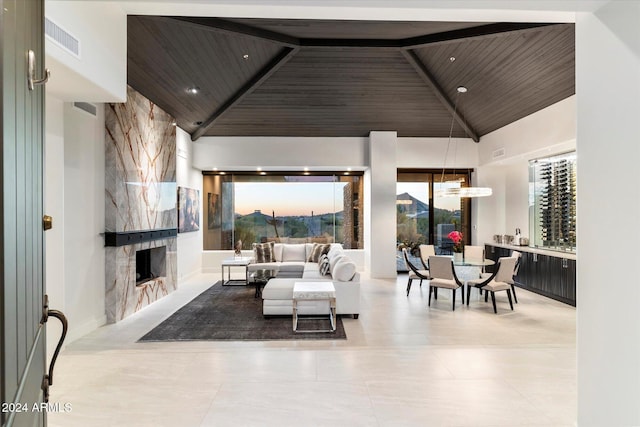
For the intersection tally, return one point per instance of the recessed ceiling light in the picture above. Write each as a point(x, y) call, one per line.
point(263, 173)
point(258, 168)
point(462, 89)
point(306, 173)
point(173, 123)
point(245, 56)
point(193, 90)
point(223, 173)
point(452, 58)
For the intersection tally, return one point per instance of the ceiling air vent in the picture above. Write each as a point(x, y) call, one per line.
point(61, 37)
point(498, 153)
point(85, 106)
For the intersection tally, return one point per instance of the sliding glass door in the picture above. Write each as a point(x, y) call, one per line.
point(424, 217)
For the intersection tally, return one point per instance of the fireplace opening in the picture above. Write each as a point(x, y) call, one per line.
point(151, 263)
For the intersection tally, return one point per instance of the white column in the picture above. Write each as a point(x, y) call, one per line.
point(380, 223)
point(608, 295)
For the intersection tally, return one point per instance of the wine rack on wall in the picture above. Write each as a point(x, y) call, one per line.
point(553, 186)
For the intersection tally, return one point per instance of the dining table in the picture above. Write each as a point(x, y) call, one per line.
point(469, 269)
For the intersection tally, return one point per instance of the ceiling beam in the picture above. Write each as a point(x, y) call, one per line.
point(351, 43)
point(424, 73)
point(466, 34)
point(271, 67)
point(222, 26)
point(479, 32)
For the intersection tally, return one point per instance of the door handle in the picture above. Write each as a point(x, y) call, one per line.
point(47, 380)
point(31, 71)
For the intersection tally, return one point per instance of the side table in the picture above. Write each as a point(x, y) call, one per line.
point(314, 291)
point(235, 262)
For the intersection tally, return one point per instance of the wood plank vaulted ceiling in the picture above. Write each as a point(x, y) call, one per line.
point(277, 77)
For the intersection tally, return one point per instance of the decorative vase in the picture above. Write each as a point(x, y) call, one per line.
point(457, 257)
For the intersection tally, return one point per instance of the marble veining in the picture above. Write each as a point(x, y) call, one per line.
point(123, 297)
point(140, 144)
point(140, 195)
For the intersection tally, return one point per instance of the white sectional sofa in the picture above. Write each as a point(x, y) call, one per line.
point(296, 263)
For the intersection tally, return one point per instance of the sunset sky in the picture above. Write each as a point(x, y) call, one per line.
point(301, 198)
point(288, 199)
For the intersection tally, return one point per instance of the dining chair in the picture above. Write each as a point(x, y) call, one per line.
point(475, 253)
point(515, 273)
point(414, 272)
point(498, 281)
point(443, 275)
point(425, 252)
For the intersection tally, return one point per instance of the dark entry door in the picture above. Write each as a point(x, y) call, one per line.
point(22, 340)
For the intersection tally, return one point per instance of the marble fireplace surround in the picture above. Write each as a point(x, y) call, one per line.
point(123, 296)
point(140, 202)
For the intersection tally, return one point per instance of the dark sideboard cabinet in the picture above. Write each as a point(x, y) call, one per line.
point(548, 275)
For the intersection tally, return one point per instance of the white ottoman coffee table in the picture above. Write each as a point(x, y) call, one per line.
point(314, 291)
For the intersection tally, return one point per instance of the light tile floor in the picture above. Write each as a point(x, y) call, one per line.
point(403, 364)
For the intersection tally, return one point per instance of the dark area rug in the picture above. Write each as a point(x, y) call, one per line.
point(232, 313)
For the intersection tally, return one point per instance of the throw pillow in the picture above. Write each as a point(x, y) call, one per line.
point(322, 258)
point(335, 253)
point(324, 267)
point(333, 249)
point(344, 271)
point(318, 250)
point(294, 252)
point(263, 252)
point(334, 261)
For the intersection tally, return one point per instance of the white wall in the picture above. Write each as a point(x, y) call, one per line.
point(608, 323)
point(54, 206)
point(74, 197)
point(547, 131)
point(83, 194)
point(275, 153)
point(189, 244)
point(99, 74)
point(430, 153)
point(403, 10)
point(544, 133)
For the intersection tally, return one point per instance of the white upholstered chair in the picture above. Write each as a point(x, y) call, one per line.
point(425, 252)
point(515, 273)
point(475, 253)
point(498, 281)
point(443, 275)
point(414, 272)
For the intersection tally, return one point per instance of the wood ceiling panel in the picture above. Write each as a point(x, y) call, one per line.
point(511, 71)
point(322, 29)
point(166, 57)
point(508, 77)
point(346, 91)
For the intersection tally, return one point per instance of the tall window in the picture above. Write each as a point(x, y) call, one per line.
point(425, 218)
point(282, 207)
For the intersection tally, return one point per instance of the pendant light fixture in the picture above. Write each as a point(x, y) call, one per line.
point(453, 190)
